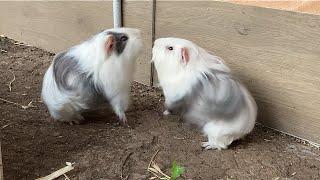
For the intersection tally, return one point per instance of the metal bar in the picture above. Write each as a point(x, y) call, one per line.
point(153, 34)
point(117, 13)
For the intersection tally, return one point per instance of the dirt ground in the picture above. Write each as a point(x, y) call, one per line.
point(33, 145)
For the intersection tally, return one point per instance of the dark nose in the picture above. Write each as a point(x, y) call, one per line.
point(124, 38)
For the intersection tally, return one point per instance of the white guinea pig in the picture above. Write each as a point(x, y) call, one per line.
point(200, 87)
point(97, 71)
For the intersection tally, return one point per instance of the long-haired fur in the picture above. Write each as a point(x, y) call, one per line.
point(96, 71)
point(200, 87)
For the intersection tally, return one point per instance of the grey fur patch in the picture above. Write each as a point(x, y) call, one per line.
point(227, 99)
point(121, 40)
point(63, 68)
point(218, 96)
point(69, 77)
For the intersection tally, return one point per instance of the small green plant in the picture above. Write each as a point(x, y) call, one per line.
point(176, 171)
point(153, 168)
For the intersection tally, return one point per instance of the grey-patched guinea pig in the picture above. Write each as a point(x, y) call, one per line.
point(90, 74)
point(200, 87)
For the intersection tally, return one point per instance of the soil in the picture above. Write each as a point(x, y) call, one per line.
point(33, 145)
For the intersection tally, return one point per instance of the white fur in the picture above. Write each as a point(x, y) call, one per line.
point(173, 74)
point(177, 79)
point(112, 74)
point(222, 133)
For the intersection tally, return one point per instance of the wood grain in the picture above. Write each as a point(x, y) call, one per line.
point(138, 14)
point(305, 6)
point(276, 54)
point(55, 25)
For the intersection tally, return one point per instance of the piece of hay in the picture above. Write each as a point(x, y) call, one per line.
point(6, 125)
point(66, 177)
point(154, 169)
point(20, 105)
point(122, 167)
point(10, 83)
point(59, 172)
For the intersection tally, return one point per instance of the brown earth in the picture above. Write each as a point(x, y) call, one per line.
point(34, 146)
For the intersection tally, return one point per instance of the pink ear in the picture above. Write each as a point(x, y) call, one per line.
point(109, 44)
point(185, 55)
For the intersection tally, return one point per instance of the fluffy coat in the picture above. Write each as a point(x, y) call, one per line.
point(200, 87)
point(90, 74)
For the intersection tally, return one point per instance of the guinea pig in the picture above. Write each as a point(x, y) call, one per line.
point(98, 71)
point(200, 88)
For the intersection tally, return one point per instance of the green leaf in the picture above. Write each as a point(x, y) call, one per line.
point(176, 171)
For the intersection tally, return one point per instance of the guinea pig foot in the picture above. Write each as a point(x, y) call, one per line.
point(74, 122)
point(208, 146)
point(123, 122)
point(166, 112)
point(77, 120)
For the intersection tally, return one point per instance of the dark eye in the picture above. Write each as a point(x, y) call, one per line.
point(124, 38)
point(170, 48)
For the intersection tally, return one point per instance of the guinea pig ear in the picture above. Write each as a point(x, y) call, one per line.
point(185, 55)
point(109, 45)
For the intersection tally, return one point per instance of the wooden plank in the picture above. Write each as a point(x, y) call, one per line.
point(55, 26)
point(276, 53)
point(309, 6)
point(138, 14)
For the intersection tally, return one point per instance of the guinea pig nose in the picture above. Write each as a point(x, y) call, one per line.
point(124, 38)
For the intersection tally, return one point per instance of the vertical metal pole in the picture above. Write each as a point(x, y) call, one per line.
point(117, 12)
point(153, 34)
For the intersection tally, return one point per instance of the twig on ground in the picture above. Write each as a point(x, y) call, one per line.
point(6, 125)
point(178, 138)
point(66, 177)
point(19, 43)
point(59, 172)
point(123, 164)
point(154, 169)
point(10, 83)
point(152, 158)
point(155, 175)
point(20, 105)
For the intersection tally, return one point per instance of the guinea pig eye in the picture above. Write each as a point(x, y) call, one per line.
point(170, 48)
point(124, 38)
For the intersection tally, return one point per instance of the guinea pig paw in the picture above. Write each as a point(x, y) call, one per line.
point(166, 112)
point(77, 120)
point(74, 122)
point(208, 146)
point(123, 122)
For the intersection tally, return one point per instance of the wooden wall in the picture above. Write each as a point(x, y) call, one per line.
point(305, 6)
point(138, 14)
point(276, 53)
point(57, 25)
